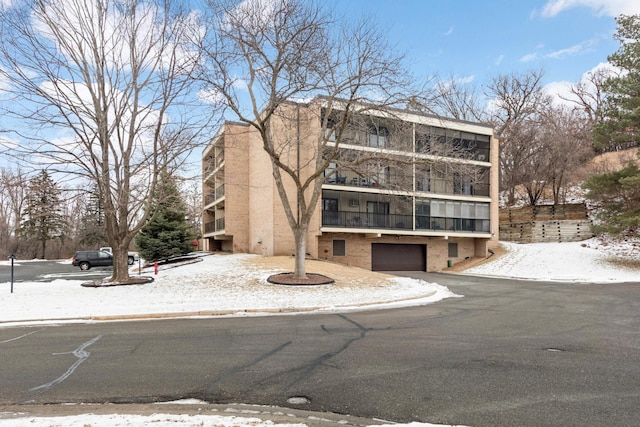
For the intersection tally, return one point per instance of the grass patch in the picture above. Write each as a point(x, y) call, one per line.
point(630, 264)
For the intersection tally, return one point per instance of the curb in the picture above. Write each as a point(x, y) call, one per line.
point(268, 414)
point(215, 313)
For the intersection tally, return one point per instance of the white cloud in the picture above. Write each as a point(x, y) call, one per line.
point(465, 80)
point(8, 143)
point(448, 32)
point(254, 14)
point(115, 37)
point(575, 49)
point(600, 7)
point(529, 57)
point(210, 96)
point(561, 90)
point(499, 60)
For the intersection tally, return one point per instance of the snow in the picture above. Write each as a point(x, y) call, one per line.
point(235, 285)
point(221, 285)
point(587, 261)
point(162, 420)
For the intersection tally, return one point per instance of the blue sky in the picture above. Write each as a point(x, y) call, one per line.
point(474, 40)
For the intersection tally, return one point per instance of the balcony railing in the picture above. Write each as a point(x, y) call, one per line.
point(213, 164)
point(366, 220)
point(448, 186)
point(212, 197)
point(396, 182)
point(214, 226)
point(401, 222)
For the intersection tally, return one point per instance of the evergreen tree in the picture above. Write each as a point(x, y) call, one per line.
point(168, 233)
point(619, 196)
point(42, 217)
point(620, 126)
point(92, 228)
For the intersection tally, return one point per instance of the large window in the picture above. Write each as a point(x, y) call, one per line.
point(452, 215)
point(377, 136)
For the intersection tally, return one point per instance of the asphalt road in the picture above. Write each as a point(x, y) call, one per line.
point(510, 353)
point(47, 271)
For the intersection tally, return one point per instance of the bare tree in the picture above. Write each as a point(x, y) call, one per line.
point(587, 94)
point(13, 190)
point(517, 101)
point(453, 97)
point(104, 89)
point(568, 140)
point(274, 52)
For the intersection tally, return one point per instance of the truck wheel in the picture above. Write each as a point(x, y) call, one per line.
point(85, 266)
point(131, 260)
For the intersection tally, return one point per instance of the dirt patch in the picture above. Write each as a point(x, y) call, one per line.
point(498, 251)
point(138, 280)
point(342, 275)
point(289, 279)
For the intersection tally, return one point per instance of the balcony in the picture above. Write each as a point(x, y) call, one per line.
point(213, 164)
point(212, 197)
point(403, 183)
point(367, 220)
point(449, 186)
point(214, 226)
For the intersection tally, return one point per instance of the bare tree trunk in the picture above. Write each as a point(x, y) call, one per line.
point(301, 254)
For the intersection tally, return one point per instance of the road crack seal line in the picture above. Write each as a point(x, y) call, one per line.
point(21, 336)
point(81, 354)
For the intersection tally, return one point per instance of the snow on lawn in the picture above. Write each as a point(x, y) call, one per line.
point(586, 261)
point(220, 285)
point(166, 420)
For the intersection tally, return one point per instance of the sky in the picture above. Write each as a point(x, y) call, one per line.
point(473, 40)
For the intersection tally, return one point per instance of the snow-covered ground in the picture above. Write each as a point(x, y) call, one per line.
point(587, 261)
point(235, 285)
point(228, 285)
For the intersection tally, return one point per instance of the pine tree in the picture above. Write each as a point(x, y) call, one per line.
point(42, 217)
point(619, 196)
point(92, 229)
point(620, 127)
point(168, 234)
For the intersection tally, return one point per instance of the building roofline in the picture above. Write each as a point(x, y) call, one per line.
point(392, 109)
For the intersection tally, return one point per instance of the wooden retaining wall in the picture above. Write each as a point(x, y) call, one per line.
point(552, 223)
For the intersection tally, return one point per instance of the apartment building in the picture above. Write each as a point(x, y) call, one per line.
point(407, 191)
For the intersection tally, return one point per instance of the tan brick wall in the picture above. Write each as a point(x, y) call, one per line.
point(358, 248)
point(236, 185)
point(290, 137)
point(494, 190)
point(261, 199)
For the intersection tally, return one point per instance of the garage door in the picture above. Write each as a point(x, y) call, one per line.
point(397, 257)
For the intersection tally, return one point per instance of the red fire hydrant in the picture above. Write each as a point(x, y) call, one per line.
point(155, 267)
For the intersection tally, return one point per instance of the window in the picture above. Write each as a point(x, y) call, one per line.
point(339, 248)
point(377, 136)
point(330, 214)
point(453, 250)
point(330, 205)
